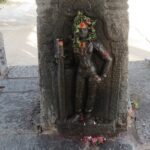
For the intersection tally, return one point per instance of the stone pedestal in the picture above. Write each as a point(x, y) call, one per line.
point(55, 20)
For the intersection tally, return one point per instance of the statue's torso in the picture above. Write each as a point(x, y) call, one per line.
point(84, 56)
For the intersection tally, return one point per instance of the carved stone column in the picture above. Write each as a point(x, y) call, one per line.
point(55, 20)
point(3, 62)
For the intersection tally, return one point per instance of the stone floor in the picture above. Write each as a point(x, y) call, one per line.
point(19, 109)
point(19, 99)
point(139, 84)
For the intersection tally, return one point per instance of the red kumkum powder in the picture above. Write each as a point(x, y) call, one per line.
point(61, 43)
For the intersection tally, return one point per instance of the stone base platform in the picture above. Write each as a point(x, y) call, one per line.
point(78, 129)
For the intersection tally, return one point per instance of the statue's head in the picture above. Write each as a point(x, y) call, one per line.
point(84, 28)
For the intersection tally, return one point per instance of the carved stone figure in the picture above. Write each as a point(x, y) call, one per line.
point(85, 45)
point(55, 20)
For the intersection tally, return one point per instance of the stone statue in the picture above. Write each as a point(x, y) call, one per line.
point(85, 44)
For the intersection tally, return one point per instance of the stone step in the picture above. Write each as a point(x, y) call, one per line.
point(19, 85)
point(23, 72)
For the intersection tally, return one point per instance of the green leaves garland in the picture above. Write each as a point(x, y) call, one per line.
point(79, 19)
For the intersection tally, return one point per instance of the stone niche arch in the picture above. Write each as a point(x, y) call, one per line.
point(55, 19)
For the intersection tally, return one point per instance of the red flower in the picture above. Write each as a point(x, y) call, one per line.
point(94, 140)
point(82, 44)
point(101, 139)
point(86, 139)
point(83, 25)
point(61, 43)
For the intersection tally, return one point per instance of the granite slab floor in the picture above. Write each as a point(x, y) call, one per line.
point(20, 107)
point(139, 86)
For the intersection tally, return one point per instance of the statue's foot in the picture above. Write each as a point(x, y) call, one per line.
point(77, 118)
point(90, 120)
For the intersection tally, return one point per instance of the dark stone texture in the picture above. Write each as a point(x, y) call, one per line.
point(55, 19)
point(3, 62)
point(89, 130)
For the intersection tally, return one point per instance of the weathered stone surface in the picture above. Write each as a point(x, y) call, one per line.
point(55, 19)
point(31, 141)
point(23, 72)
point(19, 100)
point(3, 63)
point(19, 111)
point(120, 79)
point(86, 130)
point(116, 146)
point(20, 85)
point(139, 85)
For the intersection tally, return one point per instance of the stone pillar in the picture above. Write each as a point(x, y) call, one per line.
point(117, 25)
point(3, 63)
point(55, 19)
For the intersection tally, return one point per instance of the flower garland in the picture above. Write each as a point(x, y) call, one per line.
point(93, 140)
point(81, 21)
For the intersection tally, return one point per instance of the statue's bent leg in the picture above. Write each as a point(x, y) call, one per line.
point(80, 84)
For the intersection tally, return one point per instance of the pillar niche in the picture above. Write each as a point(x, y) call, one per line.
point(55, 20)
